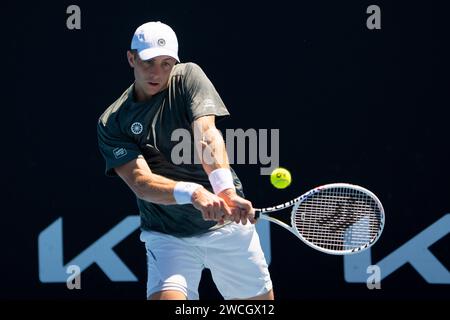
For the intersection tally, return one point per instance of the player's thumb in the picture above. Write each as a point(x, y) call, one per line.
point(245, 205)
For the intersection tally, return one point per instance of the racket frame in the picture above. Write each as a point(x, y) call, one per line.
point(264, 214)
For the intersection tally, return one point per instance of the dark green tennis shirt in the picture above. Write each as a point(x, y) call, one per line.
point(128, 129)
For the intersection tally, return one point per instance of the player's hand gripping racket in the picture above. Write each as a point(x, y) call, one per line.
point(336, 218)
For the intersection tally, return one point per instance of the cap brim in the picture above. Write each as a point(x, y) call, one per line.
point(150, 53)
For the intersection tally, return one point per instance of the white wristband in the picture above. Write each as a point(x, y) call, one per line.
point(221, 179)
point(183, 191)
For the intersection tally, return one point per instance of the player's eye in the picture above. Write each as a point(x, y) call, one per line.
point(149, 62)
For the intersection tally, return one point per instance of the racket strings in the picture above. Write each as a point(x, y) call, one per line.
point(338, 218)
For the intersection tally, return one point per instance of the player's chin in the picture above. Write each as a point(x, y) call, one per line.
point(153, 89)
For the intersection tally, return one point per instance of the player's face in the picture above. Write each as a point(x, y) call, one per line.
point(151, 76)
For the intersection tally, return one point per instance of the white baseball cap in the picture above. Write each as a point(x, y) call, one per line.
point(154, 39)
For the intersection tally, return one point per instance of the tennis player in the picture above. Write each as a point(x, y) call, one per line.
point(193, 214)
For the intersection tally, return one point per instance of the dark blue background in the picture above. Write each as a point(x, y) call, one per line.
point(352, 105)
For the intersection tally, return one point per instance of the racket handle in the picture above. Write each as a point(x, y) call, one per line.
point(257, 213)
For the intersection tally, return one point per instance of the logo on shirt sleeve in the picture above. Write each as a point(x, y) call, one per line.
point(136, 128)
point(119, 152)
point(209, 104)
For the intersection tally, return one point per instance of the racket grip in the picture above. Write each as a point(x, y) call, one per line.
point(257, 213)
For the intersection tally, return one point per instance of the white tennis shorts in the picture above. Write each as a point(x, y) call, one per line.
point(233, 254)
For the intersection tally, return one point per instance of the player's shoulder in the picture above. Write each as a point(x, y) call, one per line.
point(114, 109)
point(186, 69)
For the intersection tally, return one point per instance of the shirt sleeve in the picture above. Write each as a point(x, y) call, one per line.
point(201, 96)
point(115, 147)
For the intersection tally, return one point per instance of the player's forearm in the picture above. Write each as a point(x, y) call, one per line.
point(154, 188)
point(210, 148)
point(213, 152)
point(216, 165)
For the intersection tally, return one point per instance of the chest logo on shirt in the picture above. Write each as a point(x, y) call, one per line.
point(136, 128)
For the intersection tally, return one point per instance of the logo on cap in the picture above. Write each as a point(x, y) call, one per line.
point(136, 128)
point(161, 42)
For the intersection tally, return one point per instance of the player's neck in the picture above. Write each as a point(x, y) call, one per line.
point(139, 95)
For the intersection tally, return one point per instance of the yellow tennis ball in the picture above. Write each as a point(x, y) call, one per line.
point(280, 178)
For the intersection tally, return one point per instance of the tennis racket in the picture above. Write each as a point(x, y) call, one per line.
point(336, 218)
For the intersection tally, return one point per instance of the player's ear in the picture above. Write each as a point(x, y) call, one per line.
point(131, 58)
